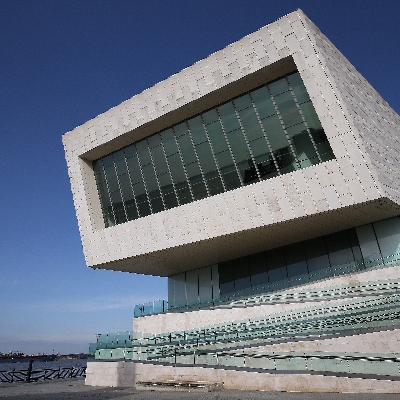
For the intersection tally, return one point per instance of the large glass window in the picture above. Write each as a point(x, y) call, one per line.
point(267, 132)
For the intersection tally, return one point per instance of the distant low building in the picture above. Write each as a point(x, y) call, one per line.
point(263, 181)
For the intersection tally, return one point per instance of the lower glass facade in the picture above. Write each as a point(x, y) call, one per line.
point(267, 132)
point(340, 253)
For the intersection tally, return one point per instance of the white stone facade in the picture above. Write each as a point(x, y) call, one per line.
point(358, 187)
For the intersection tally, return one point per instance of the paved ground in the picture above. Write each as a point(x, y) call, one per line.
point(71, 389)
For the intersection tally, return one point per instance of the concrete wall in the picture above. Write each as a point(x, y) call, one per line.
point(126, 374)
point(347, 192)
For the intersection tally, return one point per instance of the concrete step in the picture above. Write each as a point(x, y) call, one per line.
point(172, 385)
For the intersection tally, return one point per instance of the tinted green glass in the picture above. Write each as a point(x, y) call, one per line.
point(181, 129)
point(288, 109)
point(183, 193)
point(276, 135)
point(242, 102)
point(322, 144)
point(119, 161)
point(305, 151)
point(176, 168)
point(197, 130)
point(238, 146)
point(186, 149)
point(214, 183)
point(228, 117)
point(228, 170)
point(263, 158)
point(298, 87)
point(168, 140)
point(143, 153)
point(278, 87)
point(111, 177)
point(210, 116)
point(131, 211)
point(205, 157)
point(217, 137)
point(221, 149)
point(126, 189)
point(250, 124)
point(150, 178)
point(159, 160)
point(134, 170)
point(263, 102)
point(130, 151)
point(310, 116)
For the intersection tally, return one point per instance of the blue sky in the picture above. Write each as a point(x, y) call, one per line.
point(63, 63)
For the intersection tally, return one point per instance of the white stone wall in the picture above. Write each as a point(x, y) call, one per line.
point(116, 374)
point(341, 193)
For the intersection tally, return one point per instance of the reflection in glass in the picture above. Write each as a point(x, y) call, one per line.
point(272, 130)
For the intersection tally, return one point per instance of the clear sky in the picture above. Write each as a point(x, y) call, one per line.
point(63, 62)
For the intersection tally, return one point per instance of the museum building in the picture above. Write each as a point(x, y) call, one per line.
point(263, 181)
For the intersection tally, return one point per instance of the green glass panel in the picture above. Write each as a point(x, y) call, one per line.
point(143, 205)
point(130, 151)
point(159, 160)
point(168, 139)
point(228, 117)
point(154, 140)
point(176, 168)
point(199, 189)
point(275, 133)
point(288, 109)
point(278, 87)
point(298, 87)
point(310, 115)
point(143, 153)
point(285, 160)
point(305, 151)
point(238, 146)
point(169, 196)
point(264, 161)
point(157, 204)
point(250, 124)
point(125, 185)
point(295, 130)
point(181, 129)
point(210, 116)
point(214, 183)
point(262, 100)
point(197, 130)
point(164, 180)
point(150, 178)
point(193, 171)
point(217, 137)
point(134, 170)
point(108, 161)
point(187, 150)
point(119, 161)
point(228, 170)
point(120, 216)
point(131, 211)
point(205, 157)
point(183, 193)
point(111, 177)
point(242, 102)
point(323, 146)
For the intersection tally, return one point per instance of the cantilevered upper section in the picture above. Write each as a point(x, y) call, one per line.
point(271, 140)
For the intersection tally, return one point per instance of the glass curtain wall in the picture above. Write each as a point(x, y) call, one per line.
point(292, 265)
point(267, 132)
